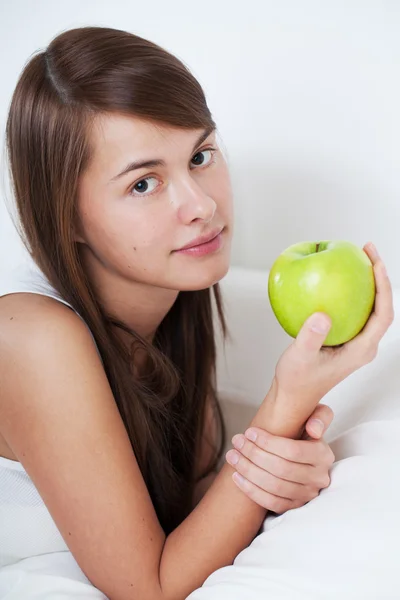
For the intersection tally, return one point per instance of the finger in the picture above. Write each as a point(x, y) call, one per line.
point(312, 335)
point(263, 498)
point(309, 475)
point(383, 313)
point(297, 451)
point(264, 480)
point(319, 421)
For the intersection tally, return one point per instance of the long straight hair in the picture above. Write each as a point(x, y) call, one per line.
point(85, 72)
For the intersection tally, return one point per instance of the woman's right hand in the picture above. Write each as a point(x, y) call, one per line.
point(307, 371)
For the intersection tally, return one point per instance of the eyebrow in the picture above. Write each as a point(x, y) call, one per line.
point(158, 162)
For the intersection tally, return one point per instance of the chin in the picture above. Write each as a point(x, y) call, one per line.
point(203, 276)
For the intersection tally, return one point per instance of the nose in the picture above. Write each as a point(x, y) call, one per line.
point(193, 202)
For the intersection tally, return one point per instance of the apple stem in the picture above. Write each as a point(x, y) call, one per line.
point(317, 247)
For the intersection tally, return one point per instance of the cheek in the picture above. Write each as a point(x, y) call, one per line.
point(123, 232)
point(222, 191)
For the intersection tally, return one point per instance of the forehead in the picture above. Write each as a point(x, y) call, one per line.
point(116, 138)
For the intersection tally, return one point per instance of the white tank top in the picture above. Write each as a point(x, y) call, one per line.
point(35, 561)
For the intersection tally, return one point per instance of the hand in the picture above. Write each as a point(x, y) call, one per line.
point(278, 473)
point(307, 371)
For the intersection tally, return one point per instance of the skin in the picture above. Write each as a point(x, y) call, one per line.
point(60, 419)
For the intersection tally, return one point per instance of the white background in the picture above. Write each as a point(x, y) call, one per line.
point(306, 95)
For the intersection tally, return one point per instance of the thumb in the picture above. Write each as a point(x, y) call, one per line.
point(318, 422)
point(313, 334)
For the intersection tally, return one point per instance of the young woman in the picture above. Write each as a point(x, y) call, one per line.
point(108, 413)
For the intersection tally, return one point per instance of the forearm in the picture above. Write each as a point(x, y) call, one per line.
point(225, 521)
point(203, 486)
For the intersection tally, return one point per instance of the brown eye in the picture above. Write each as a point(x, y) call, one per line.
point(202, 158)
point(144, 186)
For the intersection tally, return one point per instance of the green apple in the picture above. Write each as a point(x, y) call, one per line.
point(334, 277)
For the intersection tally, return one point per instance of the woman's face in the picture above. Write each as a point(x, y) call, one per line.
point(134, 217)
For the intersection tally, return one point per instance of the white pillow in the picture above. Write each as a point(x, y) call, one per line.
point(345, 543)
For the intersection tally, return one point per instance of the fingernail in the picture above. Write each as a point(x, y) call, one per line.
point(251, 435)
point(320, 325)
point(317, 426)
point(232, 457)
point(238, 441)
point(383, 270)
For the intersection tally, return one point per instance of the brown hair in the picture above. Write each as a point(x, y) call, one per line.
point(85, 72)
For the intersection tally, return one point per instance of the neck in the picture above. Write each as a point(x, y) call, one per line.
point(139, 306)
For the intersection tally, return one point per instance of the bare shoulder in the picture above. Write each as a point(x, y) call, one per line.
point(30, 321)
point(47, 352)
point(40, 334)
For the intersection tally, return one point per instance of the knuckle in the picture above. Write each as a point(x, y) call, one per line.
point(325, 481)
point(321, 482)
point(330, 456)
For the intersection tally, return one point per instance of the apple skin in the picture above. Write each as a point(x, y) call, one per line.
point(334, 277)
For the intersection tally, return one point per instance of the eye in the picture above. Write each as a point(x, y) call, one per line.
point(147, 185)
point(204, 157)
point(144, 186)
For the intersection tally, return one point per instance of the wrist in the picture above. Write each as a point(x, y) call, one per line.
point(281, 415)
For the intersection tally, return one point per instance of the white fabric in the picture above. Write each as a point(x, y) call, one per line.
point(27, 277)
point(26, 528)
point(35, 562)
point(345, 543)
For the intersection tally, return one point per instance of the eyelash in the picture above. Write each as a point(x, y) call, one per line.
point(212, 160)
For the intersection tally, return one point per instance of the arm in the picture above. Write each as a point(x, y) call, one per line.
point(58, 416)
point(207, 453)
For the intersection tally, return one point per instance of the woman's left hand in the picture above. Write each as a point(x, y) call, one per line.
point(279, 473)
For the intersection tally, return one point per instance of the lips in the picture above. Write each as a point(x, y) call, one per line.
point(203, 239)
